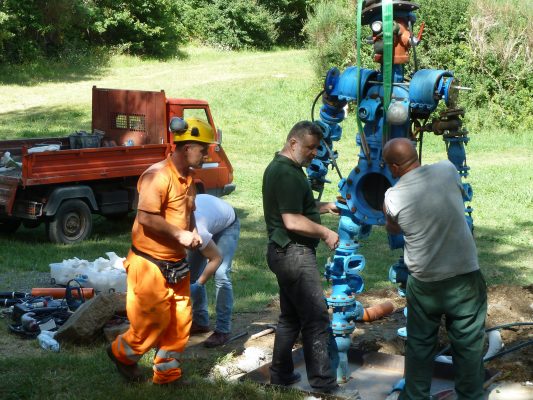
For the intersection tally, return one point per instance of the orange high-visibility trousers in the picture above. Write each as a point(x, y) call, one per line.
point(160, 317)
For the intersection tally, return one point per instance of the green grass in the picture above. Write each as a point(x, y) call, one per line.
point(255, 98)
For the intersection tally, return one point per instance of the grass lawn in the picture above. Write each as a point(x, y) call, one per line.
point(255, 98)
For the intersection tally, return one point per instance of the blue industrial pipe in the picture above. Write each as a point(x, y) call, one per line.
point(412, 101)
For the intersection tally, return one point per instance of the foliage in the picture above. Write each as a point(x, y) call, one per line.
point(331, 32)
point(34, 28)
point(487, 43)
point(59, 28)
point(293, 15)
point(501, 44)
point(238, 24)
point(142, 27)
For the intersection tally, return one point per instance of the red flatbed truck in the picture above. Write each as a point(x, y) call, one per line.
point(63, 188)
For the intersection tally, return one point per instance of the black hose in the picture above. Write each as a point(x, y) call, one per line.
point(314, 104)
point(509, 350)
point(413, 46)
point(494, 328)
point(13, 295)
point(509, 326)
point(420, 147)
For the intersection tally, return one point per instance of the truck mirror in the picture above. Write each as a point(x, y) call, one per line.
point(178, 124)
point(219, 136)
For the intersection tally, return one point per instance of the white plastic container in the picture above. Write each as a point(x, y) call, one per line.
point(104, 275)
point(47, 341)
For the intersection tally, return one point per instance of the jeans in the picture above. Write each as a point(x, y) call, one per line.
point(303, 309)
point(226, 242)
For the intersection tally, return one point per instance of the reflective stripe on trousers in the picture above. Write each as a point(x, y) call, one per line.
point(160, 317)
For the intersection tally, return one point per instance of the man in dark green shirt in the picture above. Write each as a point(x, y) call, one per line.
point(292, 217)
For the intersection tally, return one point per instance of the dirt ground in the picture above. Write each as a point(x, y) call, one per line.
point(507, 304)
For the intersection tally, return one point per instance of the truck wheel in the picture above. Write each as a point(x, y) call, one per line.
point(10, 226)
point(72, 223)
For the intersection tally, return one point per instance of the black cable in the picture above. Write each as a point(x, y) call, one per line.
point(509, 350)
point(494, 328)
point(413, 46)
point(420, 147)
point(509, 326)
point(421, 141)
point(314, 104)
point(332, 158)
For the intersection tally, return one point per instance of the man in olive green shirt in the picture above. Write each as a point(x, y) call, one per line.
point(292, 217)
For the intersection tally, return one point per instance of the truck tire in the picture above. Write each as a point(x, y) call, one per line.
point(9, 226)
point(72, 223)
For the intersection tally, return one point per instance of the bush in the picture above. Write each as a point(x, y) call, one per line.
point(331, 32)
point(501, 44)
point(33, 28)
point(53, 28)
point(142, 27)
point(238, 24)
point(292, 17)
point(487, 43)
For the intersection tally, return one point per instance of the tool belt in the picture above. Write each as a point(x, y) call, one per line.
point(173, 272)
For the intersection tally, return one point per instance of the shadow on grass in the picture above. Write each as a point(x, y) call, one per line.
point(35, 122)
point(72, 68)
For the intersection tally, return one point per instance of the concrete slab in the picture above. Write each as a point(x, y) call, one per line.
point(372, 377)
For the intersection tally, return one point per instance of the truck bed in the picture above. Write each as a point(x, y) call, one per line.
point(89, 164)
point(71, 166)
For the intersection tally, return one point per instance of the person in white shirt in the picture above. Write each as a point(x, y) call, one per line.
point(219, 228)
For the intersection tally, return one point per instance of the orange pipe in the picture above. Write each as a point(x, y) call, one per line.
point(60, 293)
point(376, 312)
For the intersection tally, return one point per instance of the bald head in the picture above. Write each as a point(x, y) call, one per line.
point(400, 155)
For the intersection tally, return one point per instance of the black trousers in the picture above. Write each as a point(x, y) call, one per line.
point(304, 309)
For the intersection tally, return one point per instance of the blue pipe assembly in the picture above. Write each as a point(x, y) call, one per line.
point(388, 104)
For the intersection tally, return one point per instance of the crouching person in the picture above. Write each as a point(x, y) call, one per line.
point(219, 229)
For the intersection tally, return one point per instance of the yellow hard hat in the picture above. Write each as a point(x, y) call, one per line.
point(194, 129)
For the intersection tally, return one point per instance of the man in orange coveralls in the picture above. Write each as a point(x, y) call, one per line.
point(158, 303)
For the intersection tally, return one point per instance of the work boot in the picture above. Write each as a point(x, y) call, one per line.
point(333, 390)
point(131, 372)
point(197, 329)
point(177, 383)
point(295, 377)
point(216, 339)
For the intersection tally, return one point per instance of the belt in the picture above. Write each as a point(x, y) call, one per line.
point(173, 271)
point(160, 263)
point(291, 243)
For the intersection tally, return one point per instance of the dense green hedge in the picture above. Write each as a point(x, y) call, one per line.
point(236, 24)
point(487, 43)
point(55, 28)
point(34, 29)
